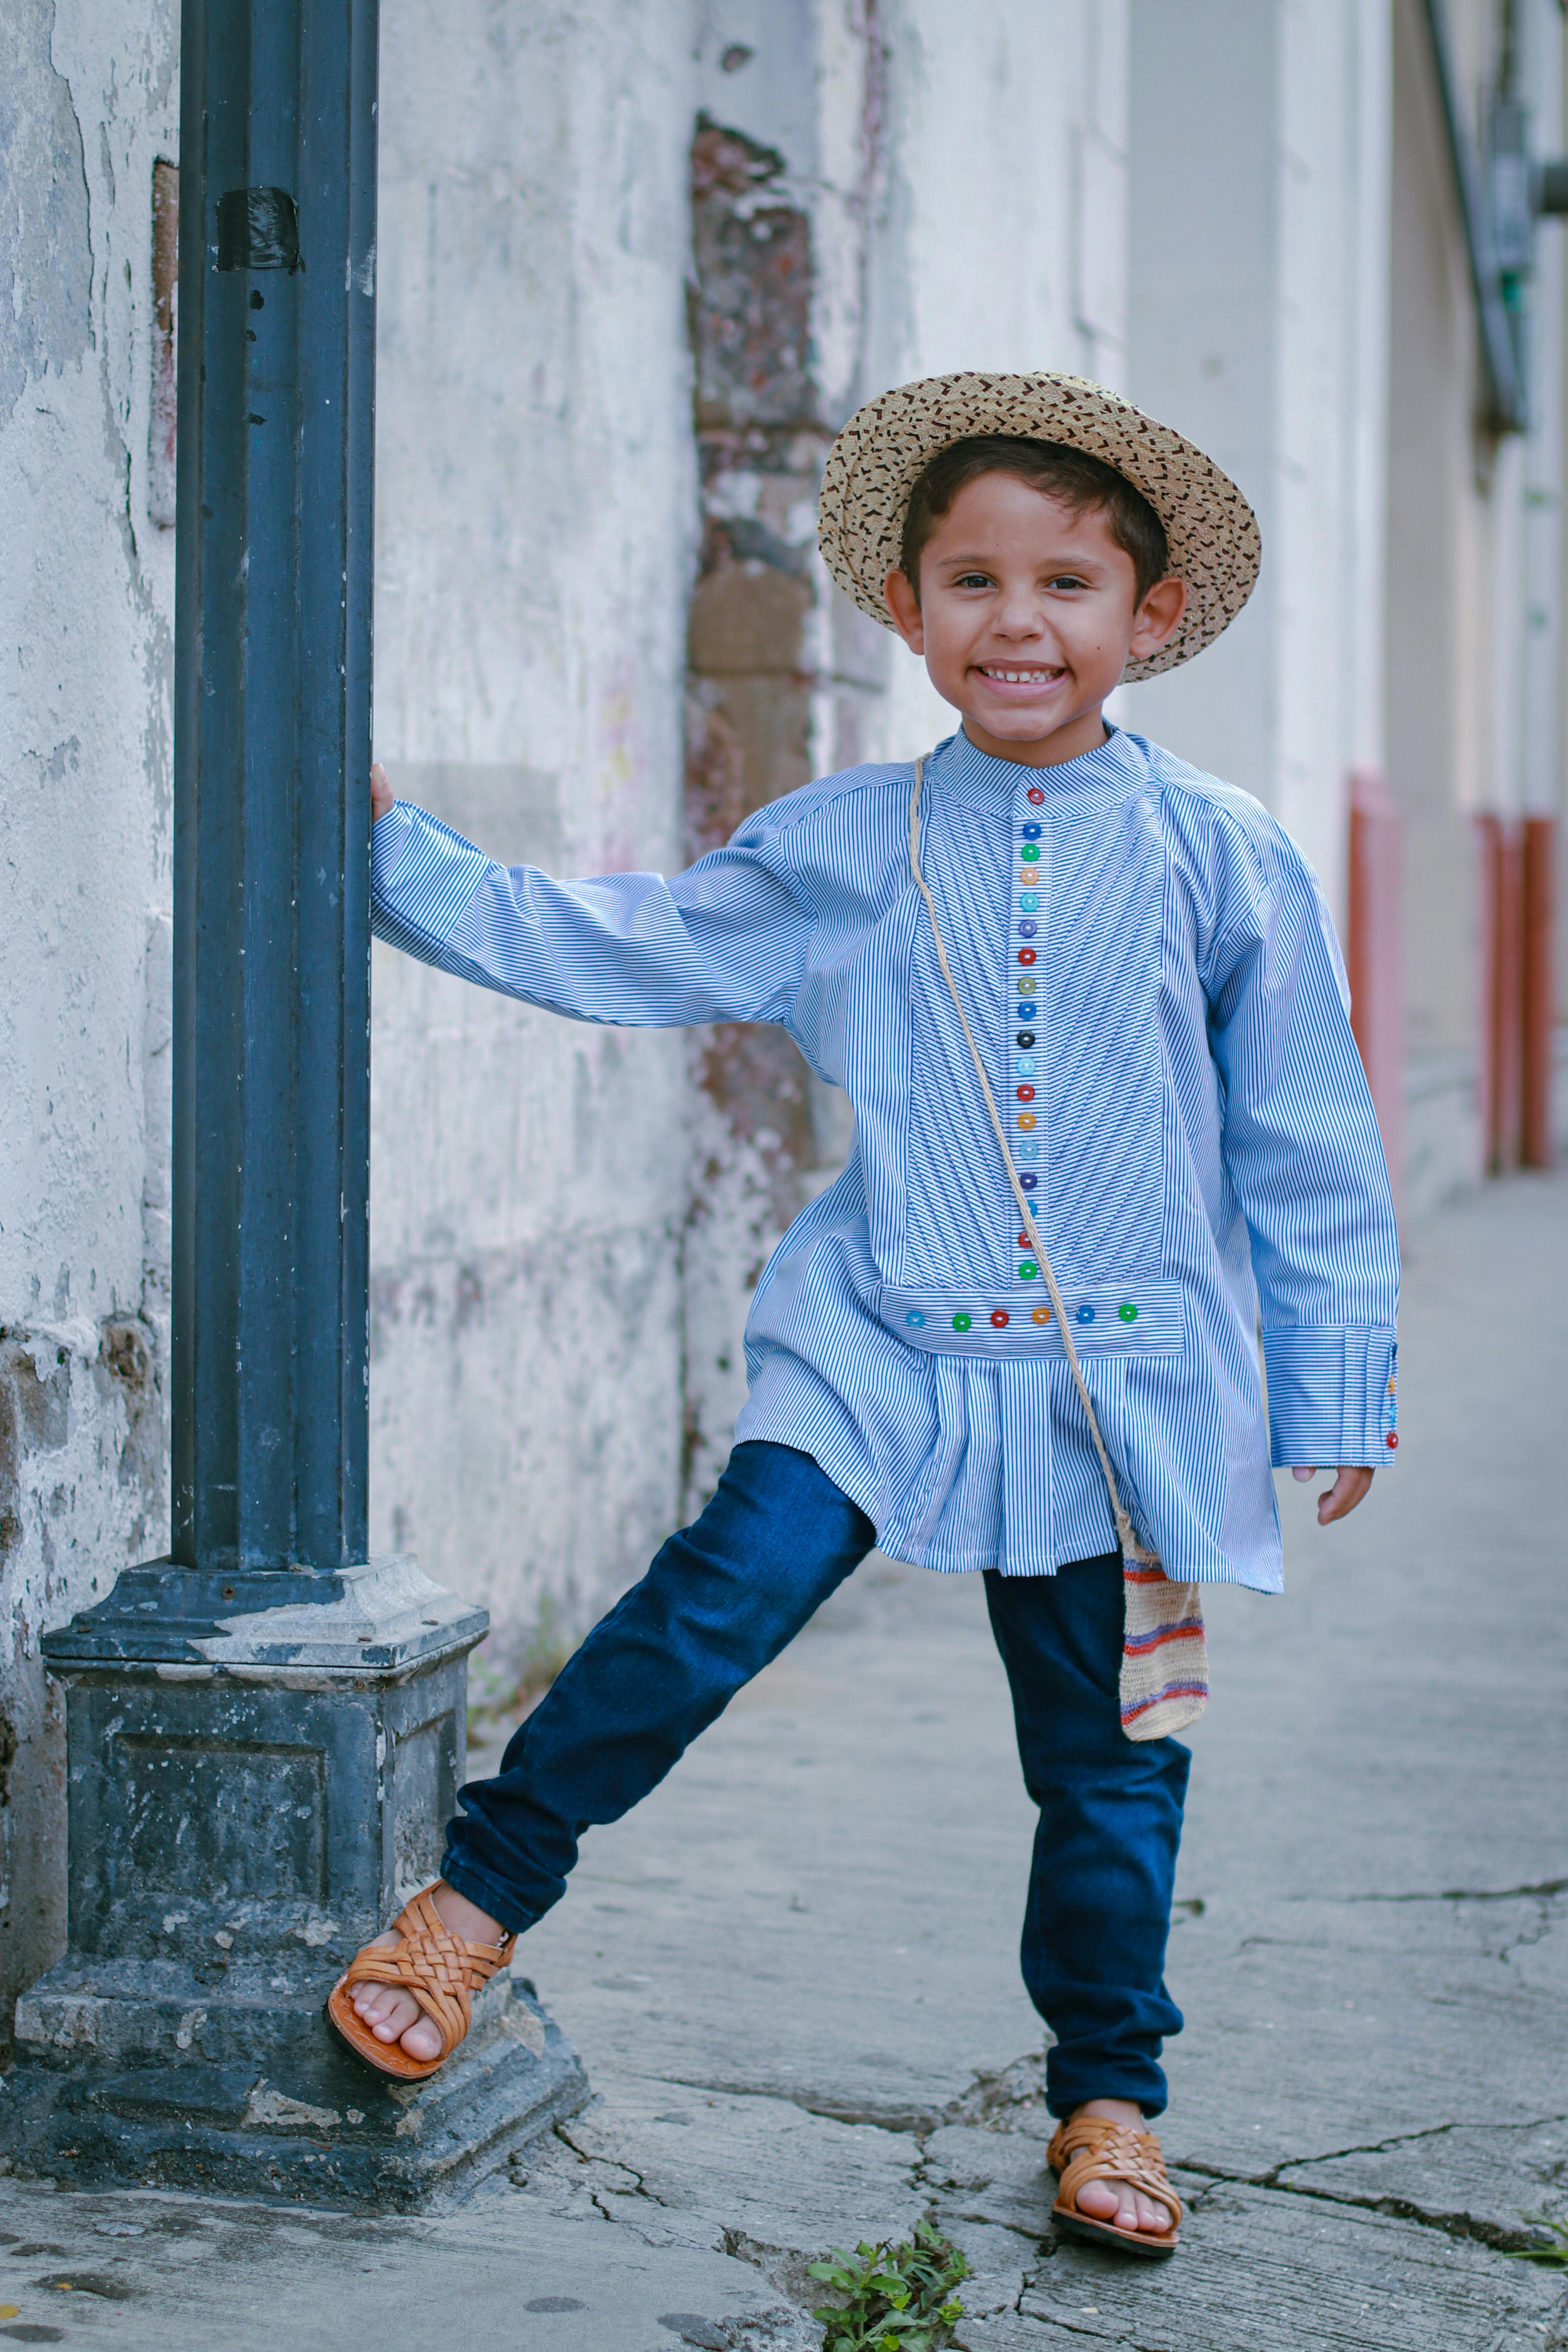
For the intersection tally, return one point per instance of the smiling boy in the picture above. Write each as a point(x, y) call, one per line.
point(1087, 1007)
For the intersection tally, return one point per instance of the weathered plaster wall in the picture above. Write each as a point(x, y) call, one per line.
point(536, 519)
point(880, 193)
point(1259, 304)
point(88, 100)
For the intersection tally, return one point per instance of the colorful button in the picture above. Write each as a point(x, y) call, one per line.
point(915, 1318)
point(1026, 1093)
point(1026, 1150)
point(1031, 832)
point(1028, 902)
point(1023, 1242)
point(1025, 984)
point(1041, 1314)
point(1026, 1122)
point(1028, 1270)
point(1025, 1037)
point(1027, 1183)
point(1391, 1441)
point(1035, 796)
point(1029, 852)
point(999, 1317)
point(1027, 878)
point(1027, 955)
point(962, 1322)
point(1025, 1066)
point(1128, 1312)
point(1027, 931)
point(1086, 1313)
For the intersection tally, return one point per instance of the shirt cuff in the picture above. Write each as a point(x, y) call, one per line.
point(423, 877)
point(1331, 1397)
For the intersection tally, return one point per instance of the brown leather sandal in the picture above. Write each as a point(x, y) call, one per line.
point(1096, 2148)
point(438, 1968)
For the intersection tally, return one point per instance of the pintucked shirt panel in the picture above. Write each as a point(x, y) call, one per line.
point(1149, 970)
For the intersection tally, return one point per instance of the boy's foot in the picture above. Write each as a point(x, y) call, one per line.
point(1125, 2192)
point(393, 2015)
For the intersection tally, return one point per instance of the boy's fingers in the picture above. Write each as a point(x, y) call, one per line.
point(1301, 1475)
point(1349, 1488)
point(381, 795)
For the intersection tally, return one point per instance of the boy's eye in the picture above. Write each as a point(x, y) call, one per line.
point(972, 580)
point(1066, 579)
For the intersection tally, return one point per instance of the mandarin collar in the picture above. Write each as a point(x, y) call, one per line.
point(968, 774)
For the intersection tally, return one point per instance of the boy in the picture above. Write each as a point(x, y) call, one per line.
point(1135, 960)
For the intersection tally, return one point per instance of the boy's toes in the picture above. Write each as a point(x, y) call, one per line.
point(423, 2038)
point(1097, 2201)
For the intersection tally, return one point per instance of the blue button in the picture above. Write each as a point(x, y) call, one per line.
point(1024, 1064)
point(915, 1318)
point(1027, 1183)
point(1026, 1151)
point(1029, 902)
point(1086, 1313)
point(1026, 930)
point(1030, 831)
point(1027, 1012)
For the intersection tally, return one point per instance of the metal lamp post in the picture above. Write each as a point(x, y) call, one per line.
point(267, 1729)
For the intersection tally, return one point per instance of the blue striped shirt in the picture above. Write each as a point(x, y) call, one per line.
point(1147, 963)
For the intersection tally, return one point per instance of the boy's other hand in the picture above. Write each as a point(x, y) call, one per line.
point(381, 795)
point(1350, 1486)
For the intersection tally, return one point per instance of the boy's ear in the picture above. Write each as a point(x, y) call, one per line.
point(901, 601)
point(1158, 617)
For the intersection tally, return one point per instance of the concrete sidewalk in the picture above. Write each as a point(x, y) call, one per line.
point(793, 1974)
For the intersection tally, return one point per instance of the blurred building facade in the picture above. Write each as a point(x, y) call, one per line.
point(637, 261)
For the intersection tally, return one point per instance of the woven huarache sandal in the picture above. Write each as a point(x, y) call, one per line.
point(438, 1968)
point(1096, 2148)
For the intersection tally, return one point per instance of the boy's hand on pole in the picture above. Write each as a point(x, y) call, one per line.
point(381, 795)
point(1351, 1484)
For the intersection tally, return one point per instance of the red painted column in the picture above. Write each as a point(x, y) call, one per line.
point(1502, 850)
point(1374, 957)
point(1539, 994)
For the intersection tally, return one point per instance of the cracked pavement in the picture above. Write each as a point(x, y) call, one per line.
point(793, 1974)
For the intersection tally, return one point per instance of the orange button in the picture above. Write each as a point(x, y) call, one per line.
point(1041, 1314)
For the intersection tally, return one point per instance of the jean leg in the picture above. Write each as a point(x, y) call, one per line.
point(722, 1598)
point(1105, 1851)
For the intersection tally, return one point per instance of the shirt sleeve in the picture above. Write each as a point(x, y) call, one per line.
point(724, 942)
point(1303, 1153)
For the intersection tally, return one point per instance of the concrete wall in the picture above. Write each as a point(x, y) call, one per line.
point(87, 101)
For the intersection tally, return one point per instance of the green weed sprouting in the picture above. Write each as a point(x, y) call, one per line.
point(1554, 2253)
point(899, 2296)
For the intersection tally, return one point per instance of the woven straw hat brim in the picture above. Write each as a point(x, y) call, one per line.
point(873, 465)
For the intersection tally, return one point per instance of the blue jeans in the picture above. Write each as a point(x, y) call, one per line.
point(721, 1600)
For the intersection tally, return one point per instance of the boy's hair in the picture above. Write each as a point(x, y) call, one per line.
point(1085, 484)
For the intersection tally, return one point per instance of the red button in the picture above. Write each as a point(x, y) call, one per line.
point(1023, 1242)
point(1036, 796)
point(1025, 955)
point(1391, 1440)
point(1026, 1094)
point(1000, 1319)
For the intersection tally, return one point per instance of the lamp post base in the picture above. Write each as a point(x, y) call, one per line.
point(253, 1795)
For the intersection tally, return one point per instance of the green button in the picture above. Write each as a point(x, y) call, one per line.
point(1029, 852)
point(1128, 1312)
point(962, 1322)
point(1028, 1270)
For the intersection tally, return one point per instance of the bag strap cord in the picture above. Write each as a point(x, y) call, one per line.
point(1131, 1548)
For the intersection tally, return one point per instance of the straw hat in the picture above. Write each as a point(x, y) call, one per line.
point(873, 465)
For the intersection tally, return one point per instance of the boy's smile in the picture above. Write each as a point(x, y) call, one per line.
point(1027, 615)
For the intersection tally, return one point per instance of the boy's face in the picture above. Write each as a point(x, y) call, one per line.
point(1027, 615)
